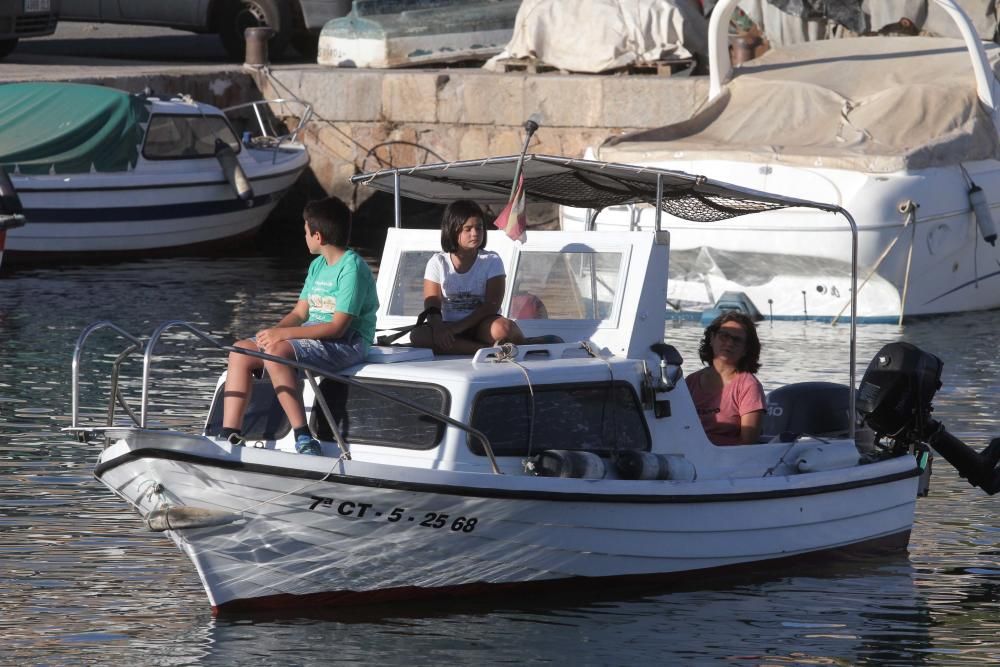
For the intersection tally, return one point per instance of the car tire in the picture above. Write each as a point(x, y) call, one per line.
point(7, 46)
point(306, 43)
point(238, 15)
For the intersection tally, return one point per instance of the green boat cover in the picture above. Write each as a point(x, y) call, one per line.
point(69, 128)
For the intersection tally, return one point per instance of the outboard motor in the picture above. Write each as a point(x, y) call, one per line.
point(894, 400)
point(808, 408)
point(11, 211)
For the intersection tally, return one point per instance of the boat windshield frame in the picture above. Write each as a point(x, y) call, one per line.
point(596, 185)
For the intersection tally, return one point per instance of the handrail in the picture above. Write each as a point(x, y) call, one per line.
point(304, 119)
point(78, 350)
point(854, 316)
point(154, 338)
point(720, 66)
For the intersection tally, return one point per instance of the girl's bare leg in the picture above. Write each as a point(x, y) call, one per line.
point(499, 330)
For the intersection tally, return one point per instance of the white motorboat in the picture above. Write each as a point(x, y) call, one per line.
point(546, 464)
point(901, 131)
point(381, 35)
point(98, 170)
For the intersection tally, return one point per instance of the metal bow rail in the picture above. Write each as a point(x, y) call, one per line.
point(310, 371)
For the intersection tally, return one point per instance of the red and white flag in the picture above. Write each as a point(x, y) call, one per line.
point(512, 218)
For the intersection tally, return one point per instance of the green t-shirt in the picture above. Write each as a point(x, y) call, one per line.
point(345, 287)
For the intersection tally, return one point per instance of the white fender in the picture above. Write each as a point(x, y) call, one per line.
point(234, 172)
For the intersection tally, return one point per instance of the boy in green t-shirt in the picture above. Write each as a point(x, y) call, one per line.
point(332, 325)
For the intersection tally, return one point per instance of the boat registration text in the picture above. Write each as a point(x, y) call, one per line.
point(463, 524)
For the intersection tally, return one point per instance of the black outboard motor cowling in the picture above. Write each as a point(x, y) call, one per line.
point(895, 395)
point(894, 399)
point(808, 408)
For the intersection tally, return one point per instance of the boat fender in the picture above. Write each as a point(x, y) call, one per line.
point(981, 209)
point(180, 518)
point(568, 463)
point(815, 459)
point(234, 172)
point(633, 464)
point(10, 203)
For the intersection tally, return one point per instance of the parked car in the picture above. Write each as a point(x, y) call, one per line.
point(26, 18)
point(296, 22)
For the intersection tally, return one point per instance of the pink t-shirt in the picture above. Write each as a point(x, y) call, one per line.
point(720, 414)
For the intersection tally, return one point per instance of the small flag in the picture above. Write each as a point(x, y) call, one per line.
point(512, 218)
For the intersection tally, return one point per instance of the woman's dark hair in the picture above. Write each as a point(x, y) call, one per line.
point(750, 362)
point(331, 218)
point(454, 217)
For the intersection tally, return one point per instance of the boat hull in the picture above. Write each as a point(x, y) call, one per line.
point(108, 215)
point(341, 531)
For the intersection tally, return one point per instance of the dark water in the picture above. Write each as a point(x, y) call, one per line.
point(82, 582)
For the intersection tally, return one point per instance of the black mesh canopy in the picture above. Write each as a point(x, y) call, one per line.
point(581, 184)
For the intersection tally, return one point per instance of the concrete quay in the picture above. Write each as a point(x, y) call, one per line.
point(370, 119)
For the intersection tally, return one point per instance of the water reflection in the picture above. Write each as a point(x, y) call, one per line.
point(82, 582)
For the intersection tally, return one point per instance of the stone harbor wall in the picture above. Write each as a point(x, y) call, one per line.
point(370, 119)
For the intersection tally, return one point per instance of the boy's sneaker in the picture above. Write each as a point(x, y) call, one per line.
point(306, 444)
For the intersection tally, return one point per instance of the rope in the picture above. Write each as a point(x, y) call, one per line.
point(589, 349)
point(508, 355)
point(343, 457)
point(907, 220)
point(780, 460)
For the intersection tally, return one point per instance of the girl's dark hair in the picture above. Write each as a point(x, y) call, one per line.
point(331, 218)
point(750, 362)
point(454, 217)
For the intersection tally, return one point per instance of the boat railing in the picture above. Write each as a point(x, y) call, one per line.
point(269, 137)
point(311, 371)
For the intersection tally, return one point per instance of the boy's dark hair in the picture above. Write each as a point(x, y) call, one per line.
point(454, 217)
point(750, 362)
point(331, 218)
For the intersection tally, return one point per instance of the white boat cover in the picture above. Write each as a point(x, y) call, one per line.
point(869, 104)
point(601, 35)
point(790, 27)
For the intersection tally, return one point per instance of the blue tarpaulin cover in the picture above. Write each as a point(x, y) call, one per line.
point(68, 128)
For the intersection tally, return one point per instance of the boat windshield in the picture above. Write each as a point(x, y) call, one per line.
point(546, 285)
point(172, 136)
point(566, 285)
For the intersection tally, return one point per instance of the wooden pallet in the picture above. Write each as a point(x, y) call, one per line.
point(663, 67)
point(658, 67)
point(527, 65)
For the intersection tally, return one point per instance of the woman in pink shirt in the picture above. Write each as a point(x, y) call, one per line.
point(726, 393)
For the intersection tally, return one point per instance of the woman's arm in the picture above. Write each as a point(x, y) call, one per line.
point(752, 405)
point(750, 425)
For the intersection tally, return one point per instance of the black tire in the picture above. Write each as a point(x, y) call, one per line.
point(306, 43)
point(238, 15)
point(7, 46)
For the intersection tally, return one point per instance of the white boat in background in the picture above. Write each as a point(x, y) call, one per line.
point(99, 170)
point(417, 32)
point(900, 131)
point(574, 462)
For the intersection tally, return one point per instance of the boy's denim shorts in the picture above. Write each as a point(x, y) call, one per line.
point(330, 353)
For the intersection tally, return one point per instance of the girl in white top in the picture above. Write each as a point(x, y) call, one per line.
point(463, 288)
